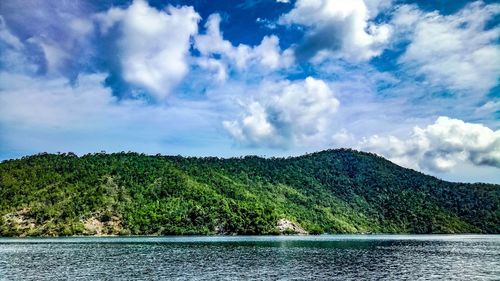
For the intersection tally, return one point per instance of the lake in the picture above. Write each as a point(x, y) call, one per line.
point(325, 257)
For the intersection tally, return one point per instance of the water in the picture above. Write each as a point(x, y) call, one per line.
point(326, 257)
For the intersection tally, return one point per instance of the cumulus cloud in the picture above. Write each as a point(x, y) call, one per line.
point(339, 29)
point(153, 45)
point(288, 113)
point(457, 51)
point(266, 55)
point(441, 146)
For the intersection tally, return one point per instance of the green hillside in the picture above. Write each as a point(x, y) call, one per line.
point(334, 191)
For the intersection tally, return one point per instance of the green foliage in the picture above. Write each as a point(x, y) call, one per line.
point(334, 191)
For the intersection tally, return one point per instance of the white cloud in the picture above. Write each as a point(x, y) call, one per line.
point(55, 56)
point(56, 37)
point(7, 37)
point(48, 114)
point(81, 27)
point(405, 18)
point(213, 65)
point(26, 100)
point(456, 51)
point(154, 45)
point(12, 51)
point(267, 55)
point(255, 126)
point(377, 6)
point(285, 113)
point(342, 138)
point(490, 107)
point(339, 29)
point(441, 146)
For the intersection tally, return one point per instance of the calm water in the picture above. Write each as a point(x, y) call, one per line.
point(329, 257)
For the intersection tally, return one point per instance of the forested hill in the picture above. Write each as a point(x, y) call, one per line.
point(334, 191)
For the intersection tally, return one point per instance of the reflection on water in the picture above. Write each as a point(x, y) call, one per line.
point(326, 257)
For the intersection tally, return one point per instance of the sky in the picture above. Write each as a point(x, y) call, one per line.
point(416, 82)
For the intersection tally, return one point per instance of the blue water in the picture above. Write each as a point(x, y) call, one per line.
point(326, 257)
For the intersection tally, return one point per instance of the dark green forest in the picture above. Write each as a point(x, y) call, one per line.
point(333, 191)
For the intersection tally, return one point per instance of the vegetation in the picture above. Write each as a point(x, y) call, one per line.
point(334, 191)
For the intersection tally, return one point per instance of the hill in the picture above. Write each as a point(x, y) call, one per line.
point(333, 191)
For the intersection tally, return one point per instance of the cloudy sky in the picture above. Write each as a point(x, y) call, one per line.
point(414, 81)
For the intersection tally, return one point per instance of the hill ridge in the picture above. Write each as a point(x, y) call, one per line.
point(333, 191)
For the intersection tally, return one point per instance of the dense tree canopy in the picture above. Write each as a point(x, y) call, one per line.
point(334, 191)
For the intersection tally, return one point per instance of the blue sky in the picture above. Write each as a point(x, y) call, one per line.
point(414, 81)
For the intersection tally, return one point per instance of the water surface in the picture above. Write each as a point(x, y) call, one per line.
point(325, 257)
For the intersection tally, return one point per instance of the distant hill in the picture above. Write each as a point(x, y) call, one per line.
point(333, 191)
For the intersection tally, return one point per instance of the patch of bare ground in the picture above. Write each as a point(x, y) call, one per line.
point(95, 225)
point(288, 227)
point(20, 221)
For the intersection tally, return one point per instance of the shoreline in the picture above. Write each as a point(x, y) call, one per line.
point(255, 235)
